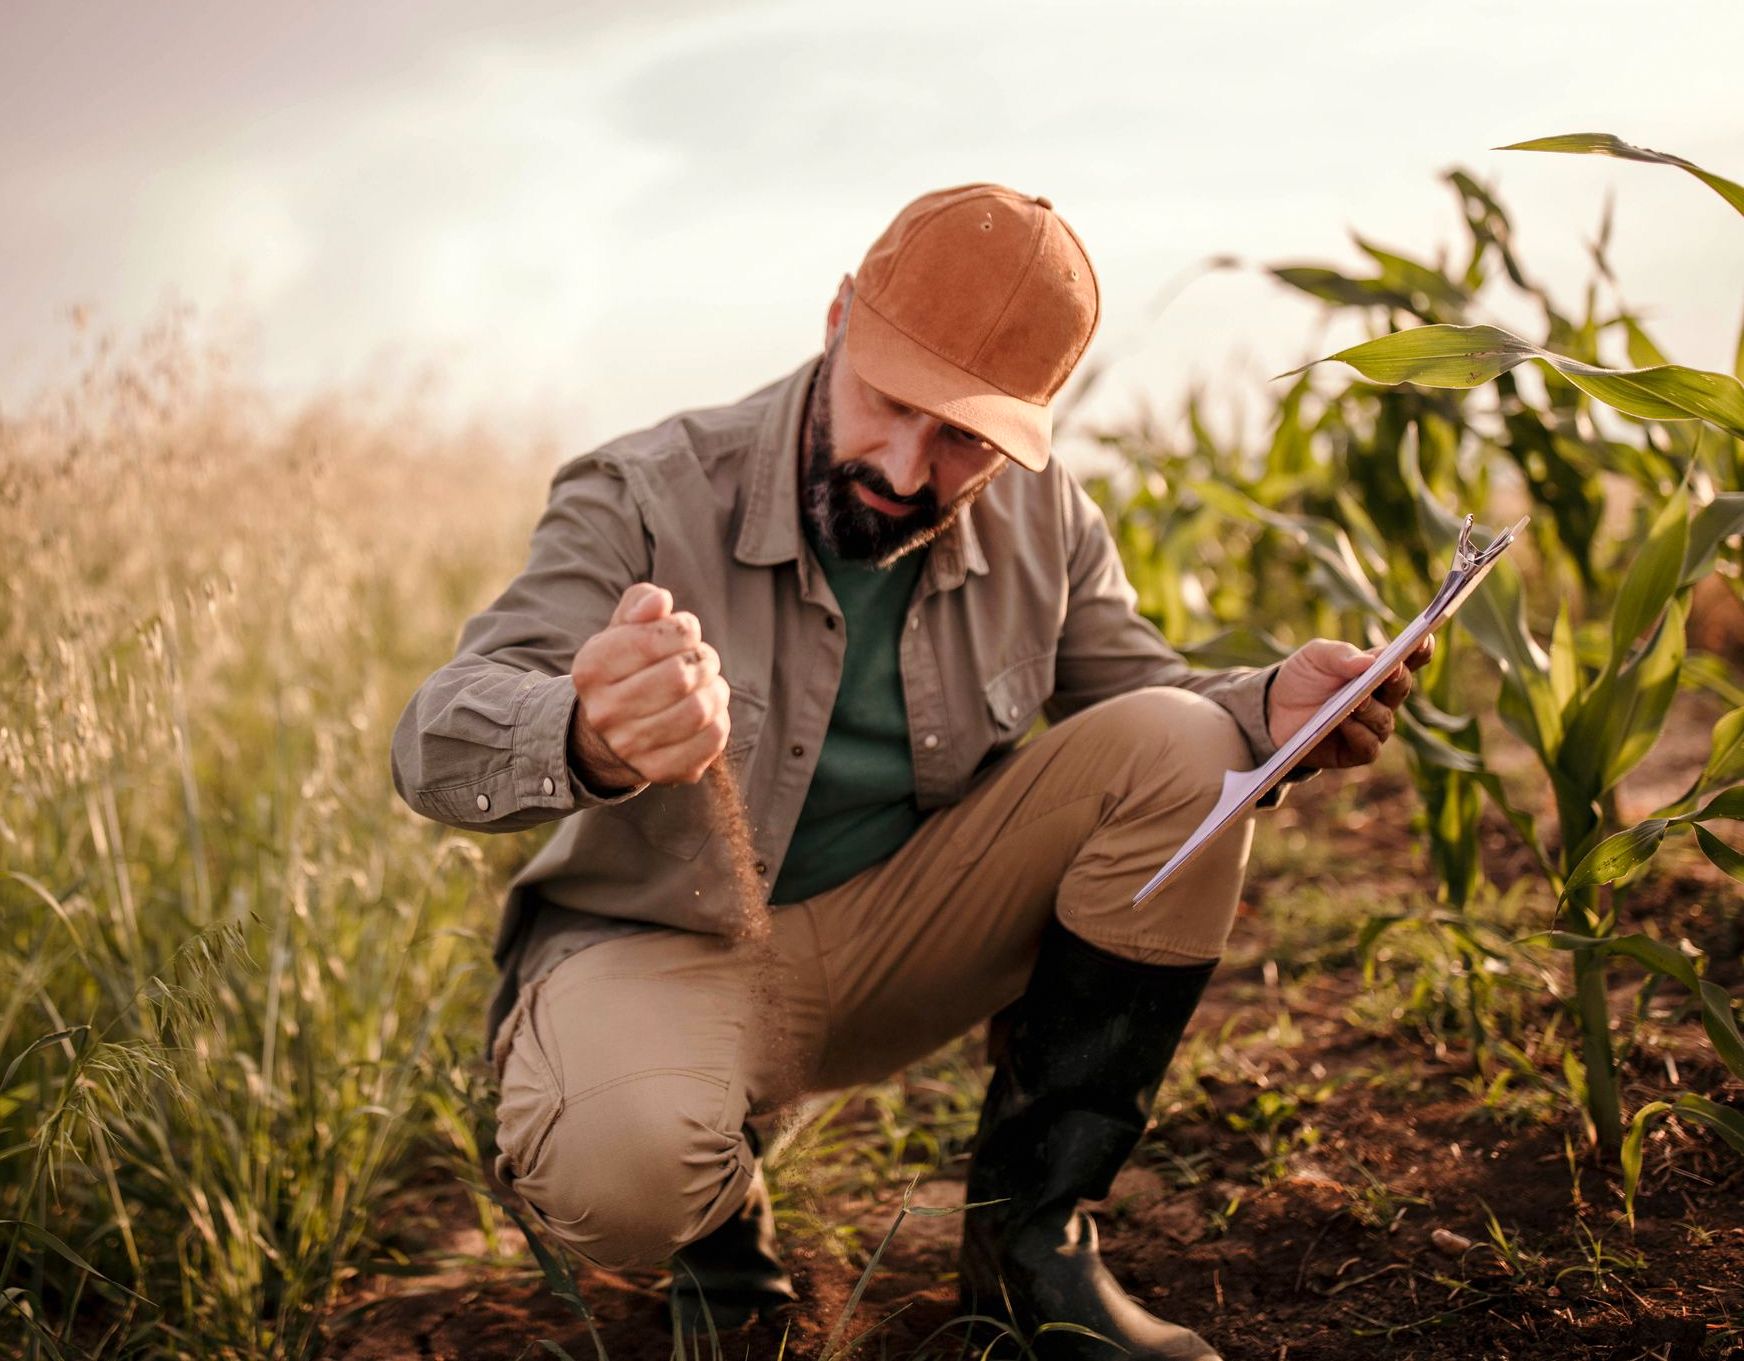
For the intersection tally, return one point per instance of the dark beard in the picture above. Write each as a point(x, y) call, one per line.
point(844, 524)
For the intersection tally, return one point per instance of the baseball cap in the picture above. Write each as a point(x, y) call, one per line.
point(974, 306)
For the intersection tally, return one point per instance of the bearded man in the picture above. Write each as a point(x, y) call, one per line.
point(858, 588)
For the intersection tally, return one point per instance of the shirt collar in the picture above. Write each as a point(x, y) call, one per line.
point(770, 532)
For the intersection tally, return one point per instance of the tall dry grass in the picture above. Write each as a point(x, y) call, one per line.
point(242, 983)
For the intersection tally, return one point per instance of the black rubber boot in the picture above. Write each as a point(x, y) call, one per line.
point(1087, 1047)
point(733, 1271)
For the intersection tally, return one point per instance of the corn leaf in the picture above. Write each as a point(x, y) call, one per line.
point(1340, 289)
point(1604, 144)
point(1649, 686)
point(1630, 1156)
point(1729, 804)
point(1713, 524)
point(1617, 855)
point(1424, 284)
point(1723, 1120)
point(1661, 958)
point(1643, 353)
point(1436, 356)
point(1564, 660)
point(1725, 763)
point(1652, 576)
point(1721, 854)
point(1469, 356)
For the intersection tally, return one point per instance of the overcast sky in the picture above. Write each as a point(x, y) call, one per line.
point(590, 215)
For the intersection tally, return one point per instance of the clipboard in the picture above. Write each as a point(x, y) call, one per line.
point(1242, 789)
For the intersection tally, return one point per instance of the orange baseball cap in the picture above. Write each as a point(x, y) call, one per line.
point(974, 306)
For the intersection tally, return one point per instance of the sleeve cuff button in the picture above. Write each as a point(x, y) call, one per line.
point(484, 803)
point(549, 785)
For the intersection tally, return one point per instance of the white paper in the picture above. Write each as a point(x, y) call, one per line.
point(1242, 789)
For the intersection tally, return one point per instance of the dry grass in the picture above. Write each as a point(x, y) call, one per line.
point(243, 981)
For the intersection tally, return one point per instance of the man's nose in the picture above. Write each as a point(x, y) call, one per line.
point(910, 465)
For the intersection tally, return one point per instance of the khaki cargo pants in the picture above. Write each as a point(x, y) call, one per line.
point(629, 1069)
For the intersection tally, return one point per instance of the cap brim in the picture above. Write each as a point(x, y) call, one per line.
point(899, 367)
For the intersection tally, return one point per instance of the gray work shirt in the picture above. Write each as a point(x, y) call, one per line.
point(1022, 609)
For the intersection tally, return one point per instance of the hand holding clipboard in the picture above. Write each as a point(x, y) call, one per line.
point(1242, 789)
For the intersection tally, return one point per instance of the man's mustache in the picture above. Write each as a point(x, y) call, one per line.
point(865, 473)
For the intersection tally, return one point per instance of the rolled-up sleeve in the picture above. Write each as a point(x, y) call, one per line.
point(1107, 647)
point(484, 743)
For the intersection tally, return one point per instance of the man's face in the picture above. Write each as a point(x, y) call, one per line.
point(882, 479)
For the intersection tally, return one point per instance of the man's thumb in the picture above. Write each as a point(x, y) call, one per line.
point(643, 603)
point(1345, 658)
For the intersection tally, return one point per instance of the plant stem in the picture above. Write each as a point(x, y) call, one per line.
point(1595, 1024)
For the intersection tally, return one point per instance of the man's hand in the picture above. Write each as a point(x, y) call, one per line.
point(652, 706)
point(1318, 670)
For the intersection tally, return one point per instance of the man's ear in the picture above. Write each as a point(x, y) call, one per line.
point(838, 309)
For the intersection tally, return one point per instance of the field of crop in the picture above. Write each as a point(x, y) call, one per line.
point(1468, 1084)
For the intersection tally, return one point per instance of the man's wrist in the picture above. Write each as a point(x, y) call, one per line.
point(585, 752)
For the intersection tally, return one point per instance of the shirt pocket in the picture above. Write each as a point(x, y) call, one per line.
point(1015, 696)
point(676, 819)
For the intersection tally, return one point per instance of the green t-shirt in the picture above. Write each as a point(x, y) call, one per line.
point(861, 805)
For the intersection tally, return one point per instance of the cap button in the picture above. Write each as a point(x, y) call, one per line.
point(1042, 202)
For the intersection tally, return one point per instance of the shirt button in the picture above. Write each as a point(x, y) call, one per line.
point(762, 867)
point(1013, 712)
point(930, 741)
point(484, 803)
point(797, 750)
point(549, 785)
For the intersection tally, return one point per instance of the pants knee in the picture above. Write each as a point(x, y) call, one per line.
point(1164, 752)
point(1166, 730)
point(628, 1177)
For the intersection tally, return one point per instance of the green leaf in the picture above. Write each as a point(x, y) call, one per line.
point(1649, 684)
point(1630, 1156)
point(1325, 541)
point(60, 1249)
point(1617, 855)
point(1725, 763)
point(1729, 804)
point(40, 1042)
point(1652, 575)
point(1721, 854)
point(1330, 286)
point(1564, 660)
point(1469, 356)
point(1723, 1120)
point(1643, 353)
point(1713, 524)
point(1722, 1026)
point(1436, 356)
point(1668, 392)
point(1714, 1001)
point(1420, 282)
point(1604, 144)
point(1237, 647)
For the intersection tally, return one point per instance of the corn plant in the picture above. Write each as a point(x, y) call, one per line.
point(1590, 722)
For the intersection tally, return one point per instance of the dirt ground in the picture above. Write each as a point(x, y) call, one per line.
point(1403, 1217)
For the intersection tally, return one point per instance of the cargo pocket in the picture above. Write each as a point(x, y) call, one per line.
point(529, 1094)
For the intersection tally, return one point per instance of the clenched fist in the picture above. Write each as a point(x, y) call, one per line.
point(651, 704)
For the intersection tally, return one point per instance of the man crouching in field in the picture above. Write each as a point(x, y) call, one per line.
point(842, 588)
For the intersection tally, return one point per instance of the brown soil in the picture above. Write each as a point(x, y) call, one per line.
point(1314, 1262)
